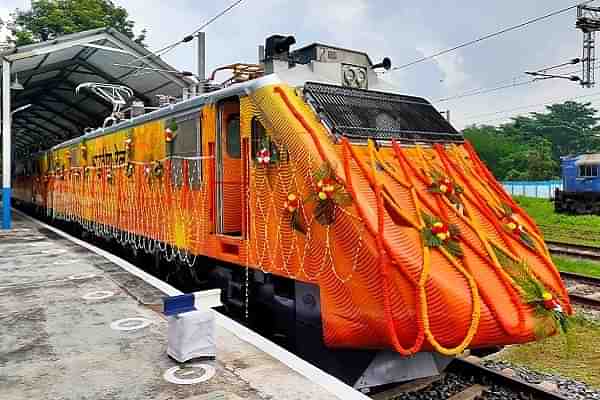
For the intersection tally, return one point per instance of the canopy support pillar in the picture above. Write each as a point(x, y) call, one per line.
point(6, 146)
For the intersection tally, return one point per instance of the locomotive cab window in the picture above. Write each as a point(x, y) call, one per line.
point(588, 171)
point(259, 136)
point(233, 137)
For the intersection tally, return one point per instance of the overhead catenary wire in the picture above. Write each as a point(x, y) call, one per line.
point(514, 82)
point(189, 37)
point(489, 36)
point(546, 103)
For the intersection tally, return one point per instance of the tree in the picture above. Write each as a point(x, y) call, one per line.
point(530, 146)
point(51, 18)
point(532, 162)
point(492, 145)
point(568, 126)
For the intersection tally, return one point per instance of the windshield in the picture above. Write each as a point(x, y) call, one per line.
point(364, 114)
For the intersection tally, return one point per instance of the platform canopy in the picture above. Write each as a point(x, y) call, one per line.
point(50, 71)
point(38, 84)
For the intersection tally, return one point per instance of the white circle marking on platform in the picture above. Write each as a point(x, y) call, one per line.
point(179, 375)
point(82, 276)
point(130, 324)
point(98, 295)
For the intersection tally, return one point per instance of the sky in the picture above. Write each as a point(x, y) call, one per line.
point(403, 31)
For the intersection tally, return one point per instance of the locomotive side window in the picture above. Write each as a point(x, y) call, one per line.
point(187, 144)
point(233, 137)
point(588, 171)
point(259, 136)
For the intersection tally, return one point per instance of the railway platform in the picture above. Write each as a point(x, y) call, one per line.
point(62, 306)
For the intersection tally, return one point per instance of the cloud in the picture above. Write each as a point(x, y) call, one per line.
point(403, 31)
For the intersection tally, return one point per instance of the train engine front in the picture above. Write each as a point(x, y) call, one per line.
point(374, 198)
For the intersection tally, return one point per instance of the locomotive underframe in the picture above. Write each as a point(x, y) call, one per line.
point(577, 202)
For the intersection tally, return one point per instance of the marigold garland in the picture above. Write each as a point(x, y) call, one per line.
point(437, 233)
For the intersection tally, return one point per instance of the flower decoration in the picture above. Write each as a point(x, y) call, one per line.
point(512, 224)
point(129, 170)
point(445, 186)
point(329, 193)
point(438, 233)
point(171, 131)
point(157, 169)
point(292, 205)
point(263, 157)
point(550, 316)
point(326, 188)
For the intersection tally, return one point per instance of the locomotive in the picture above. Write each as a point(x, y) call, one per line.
point(355, 223)
point(581, 185)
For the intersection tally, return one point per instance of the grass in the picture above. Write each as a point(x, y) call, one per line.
point(583, 267)
point(574, 229)
point(579, 359)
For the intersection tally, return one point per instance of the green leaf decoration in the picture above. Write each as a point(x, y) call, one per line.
point(453, 247)
point(297, 222)
point(547, 321)
point(325, 212)
point(173, 125)
point(525, 238)
point(507, 210)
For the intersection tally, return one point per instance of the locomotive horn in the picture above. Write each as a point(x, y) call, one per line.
point(278, 46)
point(386, 64)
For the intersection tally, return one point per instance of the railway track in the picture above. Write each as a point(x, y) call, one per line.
point(574, 250)
point(467, 379)
point(583, 290)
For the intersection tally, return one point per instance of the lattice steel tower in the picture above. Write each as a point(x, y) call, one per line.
point(588, 20)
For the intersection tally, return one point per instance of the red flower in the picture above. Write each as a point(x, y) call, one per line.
point(263, 156)
point(441, 231)
point(292, 203)
point(326, 188)
point(169, 135)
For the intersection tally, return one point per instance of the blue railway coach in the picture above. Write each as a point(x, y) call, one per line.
point(581, 185)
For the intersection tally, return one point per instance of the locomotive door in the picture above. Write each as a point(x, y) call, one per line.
point(229, 169)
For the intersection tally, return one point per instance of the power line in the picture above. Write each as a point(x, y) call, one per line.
point(549, 102)
point(484, 90)
point(190, 37)
point(489, 36)
point(514, 80)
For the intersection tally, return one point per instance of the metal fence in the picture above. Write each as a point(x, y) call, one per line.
point(540, 189)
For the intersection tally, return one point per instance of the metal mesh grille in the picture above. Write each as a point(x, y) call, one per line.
point(363, 114)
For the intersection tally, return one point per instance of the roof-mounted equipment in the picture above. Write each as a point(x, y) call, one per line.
point(277, 47)
point(117, 95)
